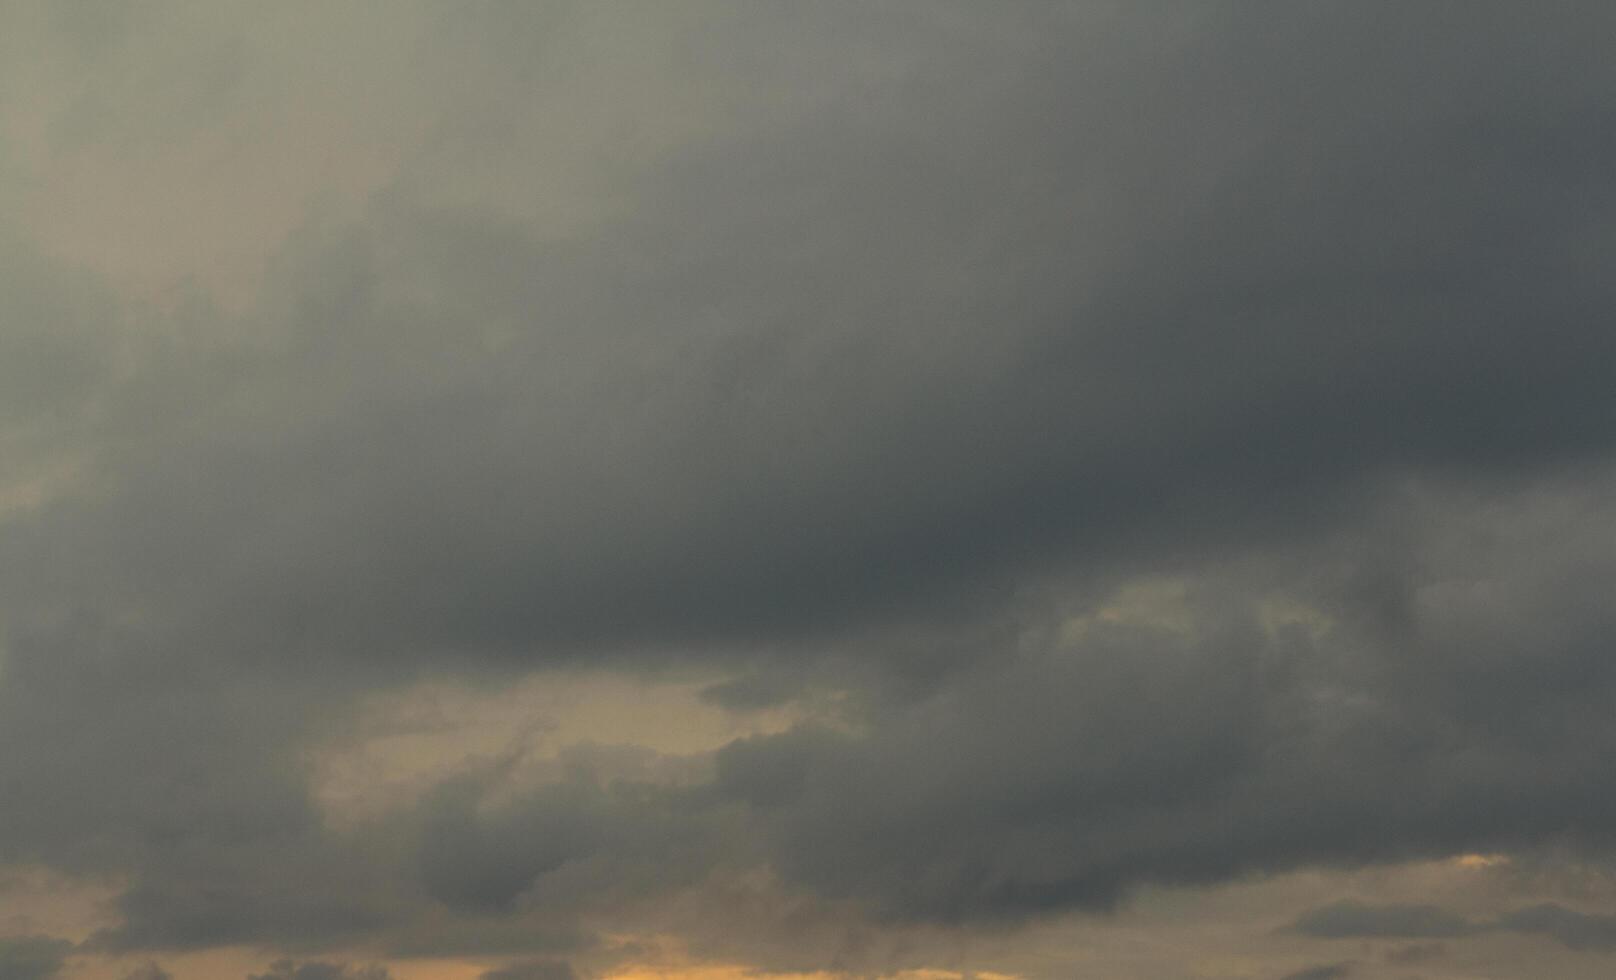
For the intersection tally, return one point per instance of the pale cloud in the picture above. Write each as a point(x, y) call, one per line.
point(402, 743)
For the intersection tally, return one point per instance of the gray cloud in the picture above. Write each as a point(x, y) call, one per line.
point(859, 355)
point(1330, 971)
point(33, 957)
point(1183, 750)
point(545, 935)
point(1416, 953)
point(1575, 930)
point(1354, 920)
point(617, 438)
point(1349, 919)
point(200, 898)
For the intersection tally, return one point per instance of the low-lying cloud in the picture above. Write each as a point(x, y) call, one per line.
point(1355, 920)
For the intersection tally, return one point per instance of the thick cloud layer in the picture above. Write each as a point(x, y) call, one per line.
point(1030, 304)
point(1144, 447)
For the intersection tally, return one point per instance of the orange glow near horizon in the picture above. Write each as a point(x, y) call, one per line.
point(716, 972)
point(737, 972)
point(1472, 861)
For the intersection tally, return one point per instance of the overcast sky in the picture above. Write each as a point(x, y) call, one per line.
point(925, 490)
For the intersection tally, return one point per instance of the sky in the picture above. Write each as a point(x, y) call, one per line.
point(783, 491)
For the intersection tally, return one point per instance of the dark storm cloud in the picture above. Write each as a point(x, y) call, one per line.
point(1195, 743)
point(149, 971)
point(32, 957)
point(1192, 749)
point(925, 318)
point(1024, 302)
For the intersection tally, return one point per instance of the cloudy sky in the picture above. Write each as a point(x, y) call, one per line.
point(800, 491)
